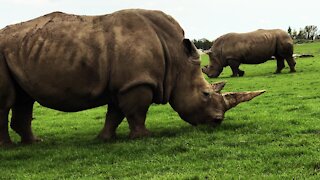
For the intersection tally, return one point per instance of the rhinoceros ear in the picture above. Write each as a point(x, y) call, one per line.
point(234, 98)
point(218, 86)
point(190, 48)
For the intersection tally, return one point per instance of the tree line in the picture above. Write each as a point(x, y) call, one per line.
point(309, 32)
point(203, 43)
point(306, 34)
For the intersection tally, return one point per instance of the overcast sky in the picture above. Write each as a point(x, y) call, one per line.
point(199, 18)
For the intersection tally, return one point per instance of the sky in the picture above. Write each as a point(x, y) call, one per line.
point(199, 18)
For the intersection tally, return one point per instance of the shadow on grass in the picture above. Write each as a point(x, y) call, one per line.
point(86, 141)
point(263, 74)
point(88, 138)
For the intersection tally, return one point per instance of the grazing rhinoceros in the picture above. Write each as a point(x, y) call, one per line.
point(128, 60)
point(255, 47)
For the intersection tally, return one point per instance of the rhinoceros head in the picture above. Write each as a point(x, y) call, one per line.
point(214, 68)
point(197, 101)
point(210, 106)
point(212, 71)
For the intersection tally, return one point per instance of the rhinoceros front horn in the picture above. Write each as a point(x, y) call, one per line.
point(234, 98)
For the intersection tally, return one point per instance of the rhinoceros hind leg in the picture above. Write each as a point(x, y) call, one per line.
point(113, 118)
point(280, 65)
point(135, 104)
point(4, 134)
point(7, 98)
point(292, 63)
point(21, 120)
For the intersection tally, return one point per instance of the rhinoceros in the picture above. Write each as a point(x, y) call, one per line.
point(127, 60)
point(255, 47)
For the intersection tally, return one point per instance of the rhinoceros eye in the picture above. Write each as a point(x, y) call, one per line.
point(206, 93)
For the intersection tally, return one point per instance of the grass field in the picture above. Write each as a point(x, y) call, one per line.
point(275, 136)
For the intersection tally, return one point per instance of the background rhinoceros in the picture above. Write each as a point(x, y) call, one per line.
point(128, 60)
point(255, 47)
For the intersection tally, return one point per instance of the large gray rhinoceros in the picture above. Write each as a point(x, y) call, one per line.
point(128, 60)
point(255, 47)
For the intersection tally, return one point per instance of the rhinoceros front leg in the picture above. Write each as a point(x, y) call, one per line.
point(113, 118)
point(234, 65)
point(21, 121)
point(134, 104)
point(280, 65)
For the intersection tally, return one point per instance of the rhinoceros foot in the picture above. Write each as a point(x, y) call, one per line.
point(5, 143)
point(26, 134)
point(241, 73)
point(31, 140)
point(139, 133)
point(5, 139)
point(105, 136)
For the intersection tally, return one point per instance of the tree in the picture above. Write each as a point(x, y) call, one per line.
point(310, 32)
point(301, 34)
point(203, 43)
point(290, 31)
point(294, 34)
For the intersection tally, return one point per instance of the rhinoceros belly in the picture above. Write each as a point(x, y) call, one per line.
point(258, 53)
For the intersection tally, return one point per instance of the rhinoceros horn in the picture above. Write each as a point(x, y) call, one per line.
point(234, 98)
point(218, 86)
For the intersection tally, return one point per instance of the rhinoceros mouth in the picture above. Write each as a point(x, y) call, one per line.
point(214, 121)
point(208, 120)
point(210, 72)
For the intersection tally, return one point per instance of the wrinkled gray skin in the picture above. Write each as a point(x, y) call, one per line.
point(127, 60)
point(255, 47)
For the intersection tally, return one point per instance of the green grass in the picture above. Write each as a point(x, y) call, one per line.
point(275, 136)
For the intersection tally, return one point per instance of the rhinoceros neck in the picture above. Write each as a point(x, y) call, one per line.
point(170, 71)
point(187, 86)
